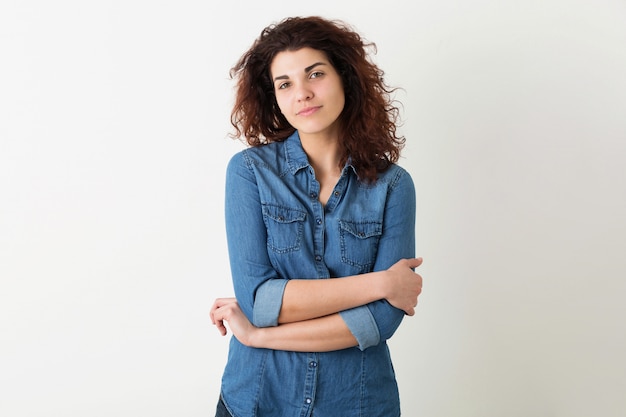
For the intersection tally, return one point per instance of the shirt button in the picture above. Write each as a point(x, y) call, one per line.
point(318, 258)
point(308, 401)
point(319, 221)
point(313, 195)
point(313, 364)
point(336, 193)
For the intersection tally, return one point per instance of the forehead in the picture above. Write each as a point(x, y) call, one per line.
point(293, 62)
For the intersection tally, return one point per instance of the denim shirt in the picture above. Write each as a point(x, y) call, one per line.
point(278, 230)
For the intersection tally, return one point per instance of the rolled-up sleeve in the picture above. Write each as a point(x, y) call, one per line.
point(372, 323)
point(268, 302)
point(258, 289)
point(362, 325)
point(378, 321)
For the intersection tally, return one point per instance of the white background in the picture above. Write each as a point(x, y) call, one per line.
point(113, 145)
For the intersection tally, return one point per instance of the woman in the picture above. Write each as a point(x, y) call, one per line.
point(320, 224)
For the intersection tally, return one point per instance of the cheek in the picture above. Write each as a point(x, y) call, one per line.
point(340, 99)
point(337, 93)
point(282, 104)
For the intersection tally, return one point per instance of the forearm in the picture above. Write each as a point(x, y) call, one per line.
point(322, 334)
point(308, 299)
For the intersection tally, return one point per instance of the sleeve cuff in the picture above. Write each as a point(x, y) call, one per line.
point(267, 303)
point(362, 325)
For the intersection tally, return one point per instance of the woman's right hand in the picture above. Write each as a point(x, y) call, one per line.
point(227, 309)
point(403, 285)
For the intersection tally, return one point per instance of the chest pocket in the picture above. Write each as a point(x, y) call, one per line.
point(359, 243)
point(284, 227)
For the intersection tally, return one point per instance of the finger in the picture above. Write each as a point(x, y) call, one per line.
point(214, 308)
point(414, 262)
point(221, 328)
point(219, 303)
point(219, 318)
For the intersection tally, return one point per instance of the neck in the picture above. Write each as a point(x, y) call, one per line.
point(323, 153)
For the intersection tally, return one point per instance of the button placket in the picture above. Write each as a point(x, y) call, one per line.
point(311, 380)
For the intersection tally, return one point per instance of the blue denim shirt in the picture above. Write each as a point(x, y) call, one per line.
point(278, 230)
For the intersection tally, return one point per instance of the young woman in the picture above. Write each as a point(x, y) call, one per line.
point(320, 223)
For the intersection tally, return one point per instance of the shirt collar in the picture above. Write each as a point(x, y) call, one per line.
point(294, 153)
point(296, 157)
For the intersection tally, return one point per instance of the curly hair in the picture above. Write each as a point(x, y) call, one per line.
point(369, 119)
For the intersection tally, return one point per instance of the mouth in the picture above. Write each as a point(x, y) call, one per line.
point(307, 111)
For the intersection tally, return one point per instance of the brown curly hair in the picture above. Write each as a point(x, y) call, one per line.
point(369, 119)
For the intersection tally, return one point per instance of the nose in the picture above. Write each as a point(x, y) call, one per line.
point(304, 93)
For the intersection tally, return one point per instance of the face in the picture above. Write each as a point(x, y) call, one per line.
point(308, 90)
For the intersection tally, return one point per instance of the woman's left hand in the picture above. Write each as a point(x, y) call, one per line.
point(227, 309)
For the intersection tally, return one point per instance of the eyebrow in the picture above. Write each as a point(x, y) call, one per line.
point(307, 69)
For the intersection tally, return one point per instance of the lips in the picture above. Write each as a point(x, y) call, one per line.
point(307, 111)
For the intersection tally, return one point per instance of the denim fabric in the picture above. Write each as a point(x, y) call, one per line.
point(278, 230)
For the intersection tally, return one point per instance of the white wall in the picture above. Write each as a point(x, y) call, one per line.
point(113, 124)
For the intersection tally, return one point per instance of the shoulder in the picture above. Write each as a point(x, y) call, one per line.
point(396, 176)
point(264, 155)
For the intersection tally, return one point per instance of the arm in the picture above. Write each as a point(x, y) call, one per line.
point(266, 298)
point(369, 323)
point(307, 299)
point(317, 335)
point(321, 334)
point(379, 320)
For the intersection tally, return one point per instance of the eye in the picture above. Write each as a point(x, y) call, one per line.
point(282, 86)
point(316, 74)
